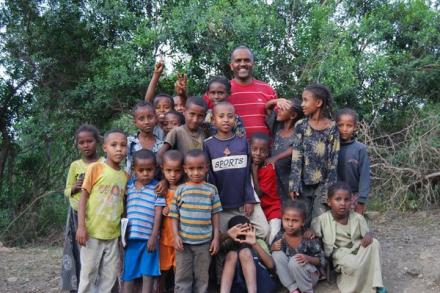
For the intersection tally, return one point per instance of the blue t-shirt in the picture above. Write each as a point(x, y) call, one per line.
point(141, 204)
point(230, 170)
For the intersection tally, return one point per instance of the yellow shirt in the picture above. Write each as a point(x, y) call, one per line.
point(77, 168)
point(106, 188)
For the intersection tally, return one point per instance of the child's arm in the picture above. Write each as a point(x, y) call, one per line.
point(157, 72)
point(73, 185)
point(364, 181)
point(270, 105)
point(296, 165)
point(81, 233)
point(151, 244)
point(251, 239)
point(255, 179)
point(165, 147)
point(180, 86)
point(178, 244)
point(332, 161)
point(285, 154)
point(304, 259)
point(215, 218)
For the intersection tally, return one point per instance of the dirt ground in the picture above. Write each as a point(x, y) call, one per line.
point(409, 243)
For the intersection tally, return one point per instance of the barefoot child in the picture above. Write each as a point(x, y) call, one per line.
point(265, 182)
point(282, 121)
point(99, 216)
point(353, 163)
point(248, 262)
point(172, 170)
point(297, 259)
point(355, 254)
point(314, 151)
point(86, 140)
point(144, 213)
point(195, 212)
point(144, 118)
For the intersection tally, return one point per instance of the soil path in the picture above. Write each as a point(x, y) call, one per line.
point(410, 245)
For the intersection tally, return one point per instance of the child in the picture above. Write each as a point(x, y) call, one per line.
point(195, 212)
point(314, 151)
point(188, 136)
point(353, 163)
point(172, 171)
point(144, 118)
point(173, 119)
point(144, 213)
point(355, 254)
point(282, 122)
point(180, 88)
point(265, 182)
point(99, 215)
point(219, 90)
point(248, 258)
point(297, 259)
point(163, 103)
point(230, 171)
point(86, 140)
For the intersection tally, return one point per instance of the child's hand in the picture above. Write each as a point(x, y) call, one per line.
point(151, 244)
point(271, 160)
point(249, 209)
point(165, 211)
point(178, 244)
point(309, 234)
point(250, 237)
point(276, 246)
point(367, 240)
point(81, 236)
point(158, 67)
point(162, 187)
point(293, 195)
point(180, 85)
point(302, 259)
point(235, 231)
point(284, 104)
point(360, 208)
point(78, 184)
point(213, 248)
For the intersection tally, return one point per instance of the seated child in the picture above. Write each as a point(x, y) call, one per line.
point(144, 118)
point(173, 119)
point(355, 253)
point(172, 170)
point(297, 259)
point(219, 90)
point(353, 163)
point(248, 262)
point(188, 136)
point(265, 182)
point(230, 172)
point(99, 216)
point(144, 212)
point(195, 212)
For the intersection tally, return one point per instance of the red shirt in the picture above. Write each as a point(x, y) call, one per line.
point(270, 200)
point(249, 102)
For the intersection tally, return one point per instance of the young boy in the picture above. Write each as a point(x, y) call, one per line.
point(195, 212)
point(144, 213)
point(265, 182)
point(172, 171)
point(188, 136)
point(353, 163)
point(99, 215)
point(230, 171)
point(173, 119)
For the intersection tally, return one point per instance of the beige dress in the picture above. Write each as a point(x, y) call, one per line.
point(359, 267)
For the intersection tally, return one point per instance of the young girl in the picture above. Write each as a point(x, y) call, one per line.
point(144, 212)
point(144, 118)
point(248, 264)
point(86, 140)
point(297, 259)
point(353, 163)
point(282, 122)
point(355, 254)
point(172, 170)
point(314, 151)
point(219, 90)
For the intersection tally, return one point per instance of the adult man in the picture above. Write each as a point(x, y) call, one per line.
point(248, 95)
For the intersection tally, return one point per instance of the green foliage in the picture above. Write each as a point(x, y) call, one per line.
point(66, 62)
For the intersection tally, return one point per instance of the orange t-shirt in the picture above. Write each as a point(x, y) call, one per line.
point(166, 233)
